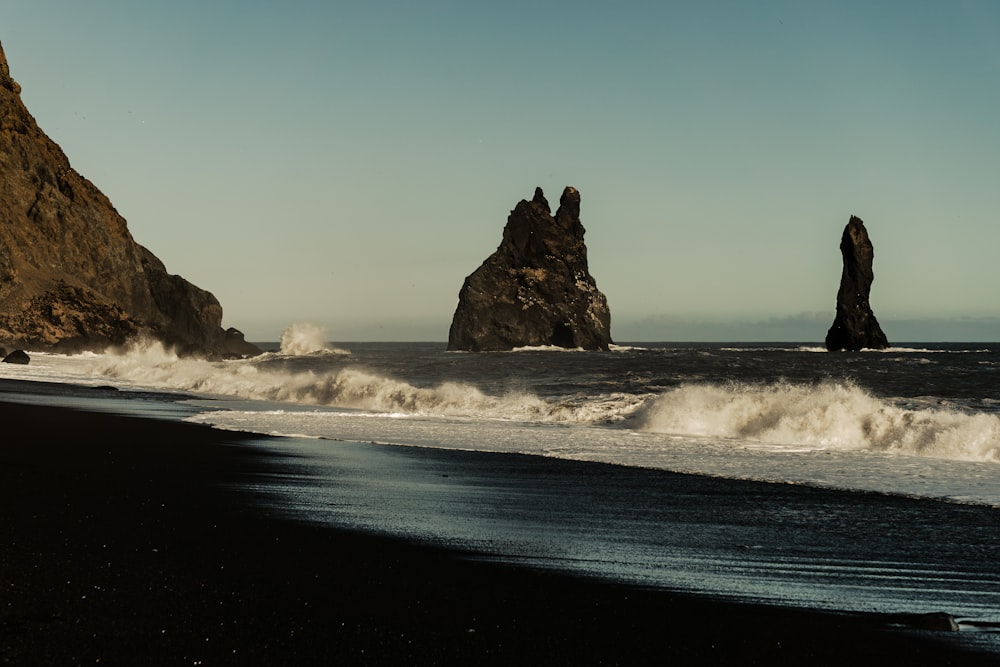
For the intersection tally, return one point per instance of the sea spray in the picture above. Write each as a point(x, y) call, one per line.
point(304, 338)
point(827, 415)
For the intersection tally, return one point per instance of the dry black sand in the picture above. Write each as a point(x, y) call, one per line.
point(123, 542)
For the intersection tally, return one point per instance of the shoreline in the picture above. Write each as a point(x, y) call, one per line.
point(126, 541)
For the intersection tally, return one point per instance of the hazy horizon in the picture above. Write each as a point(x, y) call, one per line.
point(675, 330)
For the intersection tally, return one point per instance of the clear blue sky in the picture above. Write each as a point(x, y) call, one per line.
point(348, 164)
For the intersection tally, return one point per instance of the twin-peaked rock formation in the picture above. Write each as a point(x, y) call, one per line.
point(536, 289)
point(855, 326)
point(71, 276)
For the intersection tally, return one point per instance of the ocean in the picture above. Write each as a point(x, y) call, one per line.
point(881, 469)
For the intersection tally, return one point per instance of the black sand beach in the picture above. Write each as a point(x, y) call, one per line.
point(125, 541)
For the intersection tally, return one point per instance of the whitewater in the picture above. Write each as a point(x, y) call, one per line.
point(917, 420)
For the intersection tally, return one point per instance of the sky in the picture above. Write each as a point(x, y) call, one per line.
point(347, 165)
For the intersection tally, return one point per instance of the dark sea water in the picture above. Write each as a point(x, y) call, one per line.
point(857, 481)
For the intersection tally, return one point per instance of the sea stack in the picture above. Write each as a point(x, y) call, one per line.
point(536, 289)
point(855, 326)
point(72, 278)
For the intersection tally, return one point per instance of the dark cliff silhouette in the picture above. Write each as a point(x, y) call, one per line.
point(72, 278)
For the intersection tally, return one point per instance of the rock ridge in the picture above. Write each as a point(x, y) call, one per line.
point(72, 277)
point(536, 288)
point(855, 327)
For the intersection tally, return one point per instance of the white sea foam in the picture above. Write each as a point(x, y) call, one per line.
point(152, 366)
point(825, 417)
point(964, 481)
point(830, 415)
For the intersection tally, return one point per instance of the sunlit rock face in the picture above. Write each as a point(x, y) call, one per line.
point(72, 278)
point(855, 326)
point(536, 289)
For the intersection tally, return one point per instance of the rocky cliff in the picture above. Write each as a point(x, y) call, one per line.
point(536, 289)
point(71, 276)
point(855, 326)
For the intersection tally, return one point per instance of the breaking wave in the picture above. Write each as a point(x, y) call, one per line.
point(830, 415)
point(351, 387)
point(302, 339)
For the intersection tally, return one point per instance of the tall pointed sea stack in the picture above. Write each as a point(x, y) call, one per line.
point(536, 289)
point(855, 326)
point(71, 276)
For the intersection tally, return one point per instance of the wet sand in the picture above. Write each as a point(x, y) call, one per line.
point(127, 541)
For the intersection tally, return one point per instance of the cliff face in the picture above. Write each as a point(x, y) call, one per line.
point(536, 288)
point(71, 276)
point(855, 326)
